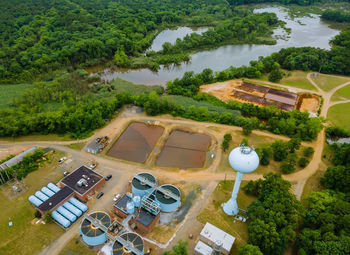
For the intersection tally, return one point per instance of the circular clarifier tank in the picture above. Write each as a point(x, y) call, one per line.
point(142, 184)
point(243, 159)
point(93, 235)
point(164, 196)
point(130, 242)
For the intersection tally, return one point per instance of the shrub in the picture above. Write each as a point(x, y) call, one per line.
point(37, 214)
point(48, 217)
point(308, 152)
point(303, 162)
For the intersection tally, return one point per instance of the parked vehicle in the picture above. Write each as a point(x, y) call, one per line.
point(62, 160)
point(99, 195)
point(92, 166)
point(65, 173)
point(116, 197)
point(108, 177)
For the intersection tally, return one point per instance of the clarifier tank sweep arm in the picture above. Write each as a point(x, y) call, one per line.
point(243, 159)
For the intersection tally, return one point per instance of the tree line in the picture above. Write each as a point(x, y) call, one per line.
point(336, 15)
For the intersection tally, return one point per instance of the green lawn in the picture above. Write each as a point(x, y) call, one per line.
point(76, 146)
point(327, 82)
point(49, 137)
point(76, 247)
point(297, 79)
point(10, 91)
point(294, 79)
point(24, 237)
point(214, 214)
point(135, 89)
point(341, 94)
point(339, 115)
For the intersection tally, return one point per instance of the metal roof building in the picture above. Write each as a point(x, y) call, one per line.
point(94, 147)
point(218, 239)
point(17, 159)
point(203, 249)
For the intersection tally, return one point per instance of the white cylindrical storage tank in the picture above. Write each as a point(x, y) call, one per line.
point(72, 209)
point(168, 203)
point(131, 241)
point(34, 200)
point(41, 196)
point(67, 214)
point(47, 191)
point(91, 234)
point(243, 159)
point(130, 208)
point(53, 187)
point(137, 201)
point(141, 188)
point(78, 204)
point(60, 219)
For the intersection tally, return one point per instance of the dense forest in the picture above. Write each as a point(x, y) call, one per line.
point(41, 36)
point(278, 220)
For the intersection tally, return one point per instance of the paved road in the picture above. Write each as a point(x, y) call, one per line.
point(122, 172)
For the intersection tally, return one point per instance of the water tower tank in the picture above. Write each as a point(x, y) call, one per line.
point(126, 243)
point(91, 234)
point(142, 184)
point(243, 159)
point(168, 203)
point(137, 201)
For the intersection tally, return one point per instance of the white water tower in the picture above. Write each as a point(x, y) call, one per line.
point(244, 160)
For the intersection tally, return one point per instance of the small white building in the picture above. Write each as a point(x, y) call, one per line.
point(217, 238)
point(203, 249)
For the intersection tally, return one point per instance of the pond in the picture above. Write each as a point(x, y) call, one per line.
point(339, 140)
point(305, 31)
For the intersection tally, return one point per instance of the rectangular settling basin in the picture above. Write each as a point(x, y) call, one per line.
point(184, 150)
point(136, 143)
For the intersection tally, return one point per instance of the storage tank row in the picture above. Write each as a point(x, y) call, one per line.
point(64, 214)
point(168, 196)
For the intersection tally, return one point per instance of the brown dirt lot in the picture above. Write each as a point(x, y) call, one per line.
point(222, 90)
point(5, 152)
point(308, 103)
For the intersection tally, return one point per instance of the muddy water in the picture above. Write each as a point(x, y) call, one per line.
point(136, 143)
point(184, 150)
point(305, 31)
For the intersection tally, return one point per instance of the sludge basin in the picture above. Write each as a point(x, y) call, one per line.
point(136, 142)
point(184, 150)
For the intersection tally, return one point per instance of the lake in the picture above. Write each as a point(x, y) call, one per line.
point(305, 31)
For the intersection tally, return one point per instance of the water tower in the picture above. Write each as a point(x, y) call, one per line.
point(244, 160)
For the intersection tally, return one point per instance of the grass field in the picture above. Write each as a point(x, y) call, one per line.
point(214, 214)
point(76, 146)
point(24, 237)
point(295, 79)
point(339, 115)
point(9, 92)
point(76, 247)
point(50, 137)
point(327, 82)
point(135, 89)
point(341, 94)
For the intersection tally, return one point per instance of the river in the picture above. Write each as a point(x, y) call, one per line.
point(305, 31)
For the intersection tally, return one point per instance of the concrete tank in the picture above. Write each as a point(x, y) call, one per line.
point(34, 200)
point(126, 243)
point(78, 204)
point(60, 219)
point(140, 187)
point(47, 191)
point(72, 209)
point(91, 234)
point(53, 187)
point(67, 214)
point(167, 202)
point(41, 196)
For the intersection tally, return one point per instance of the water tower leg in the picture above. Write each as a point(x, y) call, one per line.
point(231, 207)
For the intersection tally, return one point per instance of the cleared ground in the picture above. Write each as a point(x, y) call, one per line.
point(339, 115)
point(76, 146)
point(11, 91)
point(327, 82)
point(214, 214)
point(26, 237)
point(341, 94)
